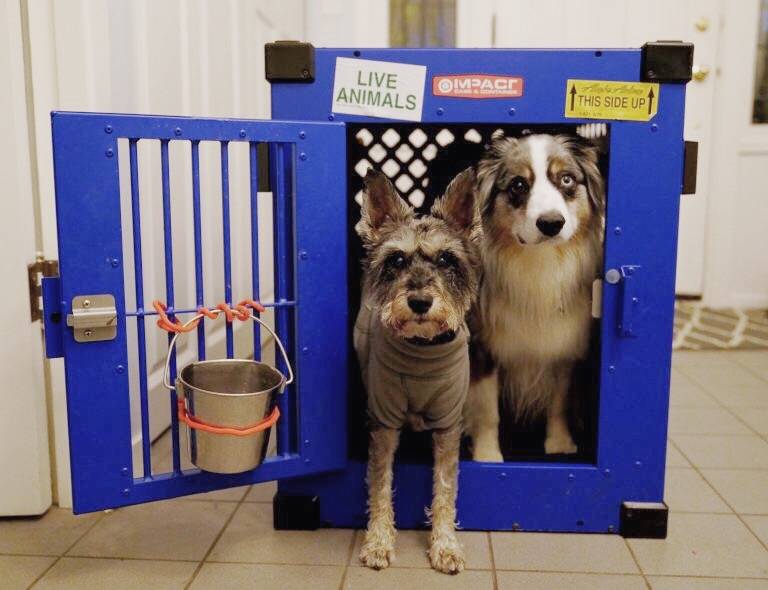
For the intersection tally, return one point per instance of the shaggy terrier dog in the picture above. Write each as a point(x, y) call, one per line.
point(420, 280)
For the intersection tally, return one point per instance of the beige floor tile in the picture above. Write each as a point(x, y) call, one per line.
point(675, 457)
point(160, 530)
point(713, 376)
point(19, 571)
point(684, 420)
point(700, 358)
point(703, 545)
point(50, 534)
point(684, 583)
point(759, 526)
point(723, 451)
point(683, 392)
point(746, 491)
point(251, 538)
point(740, 396)
point(552, 581)
point(262, 492)
point(363, 578)
point(686, 491)
point(754, 360)
point(234, 576)
point(79, 573)
point(755, 418)
point(562, 553)
point(226, 495)
point(411, 549)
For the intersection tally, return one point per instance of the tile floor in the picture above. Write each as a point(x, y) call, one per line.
point(717, 490)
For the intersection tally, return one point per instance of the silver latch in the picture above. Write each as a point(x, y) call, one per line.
point(93, 318)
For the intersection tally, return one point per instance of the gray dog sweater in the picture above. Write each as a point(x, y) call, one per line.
point(406, 380)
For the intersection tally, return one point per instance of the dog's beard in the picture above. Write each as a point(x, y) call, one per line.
point(398, 317)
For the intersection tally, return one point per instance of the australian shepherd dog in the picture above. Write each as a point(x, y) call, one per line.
point(542, 207)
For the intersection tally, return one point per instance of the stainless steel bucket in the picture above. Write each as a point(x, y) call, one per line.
point(229, 408)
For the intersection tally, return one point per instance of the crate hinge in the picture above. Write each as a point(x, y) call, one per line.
point(93, 318)
point(35, 271)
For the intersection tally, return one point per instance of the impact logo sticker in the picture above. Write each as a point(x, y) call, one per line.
point(378, 89)
point(477, 86)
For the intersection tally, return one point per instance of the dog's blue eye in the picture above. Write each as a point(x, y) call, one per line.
point(519, 185)
point(567, 180)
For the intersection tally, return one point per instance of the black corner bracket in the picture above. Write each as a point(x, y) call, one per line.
point(666, 61)
point(289, 61)
point(690, 166)
point(643, 520)
point(295, 513)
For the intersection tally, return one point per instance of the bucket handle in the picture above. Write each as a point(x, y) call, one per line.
point(217, 312)
point(198, 424)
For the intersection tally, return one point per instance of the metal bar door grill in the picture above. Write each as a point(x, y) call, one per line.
point(307, 171)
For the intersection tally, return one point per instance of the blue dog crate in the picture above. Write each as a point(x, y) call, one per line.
point(309, 162)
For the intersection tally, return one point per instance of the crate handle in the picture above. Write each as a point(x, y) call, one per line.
point(215, 313)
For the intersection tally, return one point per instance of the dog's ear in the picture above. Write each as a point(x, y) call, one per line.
point(586, 155)
point(458, 206)
point(381, 204)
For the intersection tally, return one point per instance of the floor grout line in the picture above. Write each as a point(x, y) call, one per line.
point(637, 563)
point(726, 502)
point(215, 541)
point(351, 550)
point(493, 561)
point(68, 549)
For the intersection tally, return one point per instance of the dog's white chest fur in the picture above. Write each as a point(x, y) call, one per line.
point(536, 305)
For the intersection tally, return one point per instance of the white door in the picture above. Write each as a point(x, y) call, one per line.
point(24, 456)
point(600, 23)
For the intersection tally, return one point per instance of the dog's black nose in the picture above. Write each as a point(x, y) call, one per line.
point(550, 223)
point(420, 304)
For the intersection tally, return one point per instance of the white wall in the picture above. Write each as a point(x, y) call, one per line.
point(200, 58)
point(24, 454)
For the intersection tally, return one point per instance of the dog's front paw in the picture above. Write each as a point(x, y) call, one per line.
point(487, 451)
point(560, 445)
point(446, 555)
point(377, 555)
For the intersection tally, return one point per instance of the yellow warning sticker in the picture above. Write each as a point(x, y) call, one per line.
point(621, 101)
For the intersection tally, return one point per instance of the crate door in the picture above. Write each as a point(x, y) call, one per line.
point(179, 210)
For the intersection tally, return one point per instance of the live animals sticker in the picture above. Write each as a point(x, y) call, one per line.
point(381, 89)
point(620, 101)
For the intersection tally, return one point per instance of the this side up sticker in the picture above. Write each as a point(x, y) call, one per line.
point(620, 101)
point(477, 86)
point(378, 89)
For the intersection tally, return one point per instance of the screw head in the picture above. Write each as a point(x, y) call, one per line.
point(305, 349)
point(87, 303)
point(331, 117)
point(88, 333)
point(617, 230)
point(109, 152)
point(302, 156)
point(611, 369)
point(114, 263)
point(302, 135)
point(177, 131)
point(120, 369)
point(511, 112)
point(611, 528)
point(126, 492)
point(612, 276)
point(124, 471)
point(108, 129)
point(654, 128)
point(242, 133)
point(516, 526)
point(303, 254)
point(440, 112)
point(571, 477)
point(305, 73)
